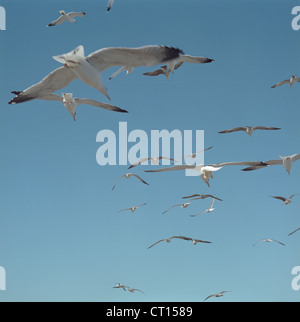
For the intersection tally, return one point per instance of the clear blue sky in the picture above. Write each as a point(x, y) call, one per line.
point(61, 236)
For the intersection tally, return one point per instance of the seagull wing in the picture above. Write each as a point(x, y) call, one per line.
point(139, 162)
point(132, 57)
point(201, 213)
point(177, 167)
point(157, 243)
point(178, 65)
point(278, 242)
point(99, 104)
point(243, 163)
point(209, 297)
point(141, 205)
point(212, 203)
point(124, 209)
point(266, 128)
point(109, 5)
point(117, 181)
point(193, 59)
point(58, 21)
point(295, 157)
point(279, 197)
point(192, 196)
point(76, 14)
point(58, 79)
point(281, 83)
point(234, 130)
point(154, 73)
point(171, 208)
point(138, 177)
point(293, 232)
point(202, 241)
point(260, 240)
point(52, 97)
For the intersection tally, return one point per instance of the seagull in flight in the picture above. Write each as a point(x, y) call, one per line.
point(127, 176)
point(134, 208)
point(287, 162)
point(268, 241)
point(290, 81)
point(66, 17)
point(171, 65)
point(250, 129)
point(181, 205)
point(76, 65)
point(198, 196)
point(293, 232)
point(154, 160)
point(163, 70)
point(209, 210)
point(109, 5)
point(216, 295)
point(168, 240)
point(285, 200)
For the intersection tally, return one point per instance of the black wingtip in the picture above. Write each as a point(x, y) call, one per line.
point(208, 60)
point(171, 53)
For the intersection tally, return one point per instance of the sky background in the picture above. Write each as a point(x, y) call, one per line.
point(61, 236)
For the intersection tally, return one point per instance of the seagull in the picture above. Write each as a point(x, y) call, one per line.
point(163, 70)
point(66, 17)
point(209, 210)
point(250, 129)
point(287, 162)
point(127, 176)
point(216, 295)
point(269, 241)
point(195, 241)
point(109, 5)
point(89, 69)
point(293, 232)
point(71, 103)
point(154, 160)
point(134, 208)
point(171, 65)
point(290, 81)
point(120, 285)
point(181, 205)
point(193, 155)
point(201, 197)
point(285, 200)
point(206, 172)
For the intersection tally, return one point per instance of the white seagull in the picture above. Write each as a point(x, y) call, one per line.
point(127, 176)
point(216, 295)
point(109, 5)
point(198, 196)
point(287, 162)
point(171, 65)
point(134, 208)
point(209, 210)
point(290, 81)
point(250, 129)
point(293, 232)
point(268, 241)
point(89, 69)
point(168, 240)
point(181, 205)
point(154, 160)
point(206, 172)
point(71, 103)
point(66, 17)
point(285, 200)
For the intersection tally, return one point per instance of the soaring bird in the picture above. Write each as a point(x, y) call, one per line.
point(195, 241)
point(198, 196)
point(209, 210)
point(293, 232)
point(163, 70)
point(250, 129)
point(268, 241)
point(134, 208)
point(89, 69)
point(216, 295)
point(127, 176)
point(181, 205)
point(66, 17)
point(285, 200)
point(154, 160)
point(290, 81)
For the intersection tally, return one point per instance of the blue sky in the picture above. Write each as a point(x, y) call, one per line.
point(61, 236)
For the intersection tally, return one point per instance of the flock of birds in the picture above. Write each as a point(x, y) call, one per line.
point(89, 68)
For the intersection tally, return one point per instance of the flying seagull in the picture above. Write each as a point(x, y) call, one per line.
point(195, 241)
point(206, 172)
point(293, 232)
point(290, 81)
point(285, 200)
point(154, 160)
point(171, 65)
point(134, 208)
point(127, 176)
point(198, 196)
point(181, 205)
point(287, 162)
point(109, 5)
point(209, 210)
point(163, 70)
point(268, 241)
point(250, 129)
point(120, 285)
point(71, 103)
point(193, 155)
point(216, 295)
point(66, 17)
point(89, 69)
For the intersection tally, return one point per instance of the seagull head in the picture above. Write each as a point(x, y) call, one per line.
point(62, 12)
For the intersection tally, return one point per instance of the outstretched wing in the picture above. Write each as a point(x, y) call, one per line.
point(293, 232)
point(266, 128)
point(234, 130)
point(58, 21)
point(281, 83)
point(154, 73)
point(100, 104)
point(116, 182)
point(76, 14)
point(138, 177)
